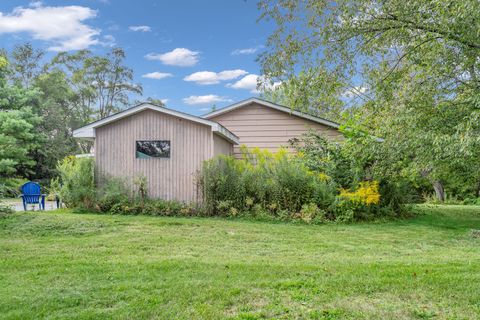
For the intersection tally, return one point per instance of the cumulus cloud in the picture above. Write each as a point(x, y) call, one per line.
point(238, 52)
point(209, 77)
point(181, 57)
point(157, 75)
point(250, 81)
point(63, 25)
point(206, 99)
point(140, 28)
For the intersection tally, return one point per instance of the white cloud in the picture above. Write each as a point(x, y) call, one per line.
point(157, 75)
point(209, 98)
point(140, 28)
point(209, 77)
point(249, 82)
point(61, 25)
point(35, 4)
point(238, 52)
point(181, 57)
point(109, 41)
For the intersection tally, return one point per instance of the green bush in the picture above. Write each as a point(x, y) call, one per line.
point(5, 209)
point(155, 207)
point(10, 187)
point(112, 191)
point(77, 182)
point(275, 182)
point(472, 201)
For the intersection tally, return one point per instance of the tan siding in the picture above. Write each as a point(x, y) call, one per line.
point(221, 146)
point(267, 128)
point(168, 178)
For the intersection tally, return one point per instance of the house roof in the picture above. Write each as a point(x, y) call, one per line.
point(272, 105)
point(88, 131)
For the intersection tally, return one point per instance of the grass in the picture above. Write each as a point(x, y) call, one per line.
point(60, 265)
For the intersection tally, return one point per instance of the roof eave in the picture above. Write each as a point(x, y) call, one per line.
point(88, 131)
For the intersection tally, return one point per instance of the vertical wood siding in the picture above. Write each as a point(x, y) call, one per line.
point(267, 128)
point(221, 146)
point(168, 178)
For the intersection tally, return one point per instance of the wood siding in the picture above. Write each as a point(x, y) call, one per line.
point(221, 146)
point(168, 178)
point(267, 128)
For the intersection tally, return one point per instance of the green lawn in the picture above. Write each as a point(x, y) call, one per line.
point(60, 265)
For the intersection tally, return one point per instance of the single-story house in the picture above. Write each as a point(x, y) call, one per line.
point(260, 123)
point(168, 146)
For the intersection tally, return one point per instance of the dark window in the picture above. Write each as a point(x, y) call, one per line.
point(153, 149)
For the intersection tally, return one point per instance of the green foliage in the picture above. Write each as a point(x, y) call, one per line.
point(331, 158)
point(17, 139)
point(77, 182)
point(275, 182)
point(154, 207)
point(47, 100)
point(285, 186)
point(472, 201)
point(418, 61)
point(313, 91)
point(10, 187)
point(113, 192)
point(141, 183)
point(18, 136)
point(5, 209)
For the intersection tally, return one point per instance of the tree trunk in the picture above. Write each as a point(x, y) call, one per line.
point(439, 191)
point(477, 191)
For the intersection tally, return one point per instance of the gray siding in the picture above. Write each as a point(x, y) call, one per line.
point(168, 178)
point(267, 128)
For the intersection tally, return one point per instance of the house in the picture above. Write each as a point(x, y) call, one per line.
point(168, 146)
point(263, 124)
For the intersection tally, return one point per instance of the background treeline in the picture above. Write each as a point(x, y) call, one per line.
point(42, 100)
point(405, 71)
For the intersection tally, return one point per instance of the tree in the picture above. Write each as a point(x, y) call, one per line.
point(346, 35)
point(420, 61)
point(310, 92)
point(26, 64)
point(154, 101)
point(59, 118)
point(102, 83)
point(17, 126)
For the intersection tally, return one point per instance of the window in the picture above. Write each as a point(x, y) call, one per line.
point(153, 149)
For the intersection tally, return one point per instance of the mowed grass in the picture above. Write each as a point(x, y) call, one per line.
point(59, 265)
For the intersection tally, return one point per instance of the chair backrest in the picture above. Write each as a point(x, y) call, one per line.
point(30, 188)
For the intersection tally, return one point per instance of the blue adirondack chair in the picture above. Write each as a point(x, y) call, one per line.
point(31, 194)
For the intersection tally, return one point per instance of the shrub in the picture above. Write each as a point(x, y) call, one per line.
point(155, 207)
point(5, 209)
point(272, 181)
point(10, 187)
point(471, 201)
point(77, 182)
point(113, 191)
point(311, 213)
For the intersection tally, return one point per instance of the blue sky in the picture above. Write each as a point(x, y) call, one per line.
point(192, 53)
